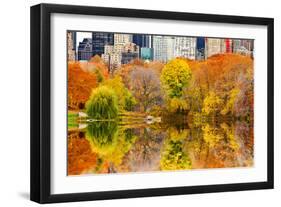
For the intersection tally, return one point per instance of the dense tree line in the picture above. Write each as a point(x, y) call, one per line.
point(219, 86)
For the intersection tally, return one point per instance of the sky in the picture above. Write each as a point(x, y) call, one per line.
point(81, 35)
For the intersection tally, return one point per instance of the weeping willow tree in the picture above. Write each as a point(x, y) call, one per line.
point(109, 142)
point(102, 104)
point(102, 136)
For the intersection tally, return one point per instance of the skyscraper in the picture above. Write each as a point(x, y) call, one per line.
point(85, 49)
point(245, 47)
point(214, 46)
point(130, 52)
point(200, 48)
point(142, 40)
point(170, 47)
point(185, 47)
point(163, 48)
point(99, 40)
point(120, 53)
point(112, 56)
point(228, 45)
point(123, 38)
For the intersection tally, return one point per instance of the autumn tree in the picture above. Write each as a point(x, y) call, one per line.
point(145, 86)
point(212, 104)
point(126, 69)
point(173, 155)
point(97, 66)
point(231, 101)
point(80, 156)
point(125, 99)
point(80, 85)
point(96, 59)
point(230, 77)
point(212, 135)
point(144, 154)
point(175, 77)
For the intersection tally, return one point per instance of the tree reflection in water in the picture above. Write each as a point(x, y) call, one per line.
point(114, 148)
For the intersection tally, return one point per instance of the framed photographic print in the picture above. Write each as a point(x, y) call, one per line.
point(133, 103)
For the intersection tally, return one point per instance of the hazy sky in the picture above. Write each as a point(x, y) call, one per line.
point(81, 35)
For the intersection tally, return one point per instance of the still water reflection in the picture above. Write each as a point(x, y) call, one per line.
point(111, 147)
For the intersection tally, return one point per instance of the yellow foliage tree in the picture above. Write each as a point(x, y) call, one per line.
point(177, 104)
point(212, 103)
point(125, 99)
point(230, 102)
point(211, 135)
point(175, 76)
point(173, 156)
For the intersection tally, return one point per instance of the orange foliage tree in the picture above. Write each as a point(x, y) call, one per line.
point(228, 76)
point(80, 85)
point(97, 66)
point(80, 156)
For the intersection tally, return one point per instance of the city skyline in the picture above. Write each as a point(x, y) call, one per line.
point(121, 48)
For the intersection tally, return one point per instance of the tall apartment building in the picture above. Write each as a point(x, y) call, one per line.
point(115, 61)
point(112, 55)
point(200, 48)
point(158, 48)
point(163, 48)
point(142, 40)
point(129, 53)
point(117, 54)
point(244, 47)
point(123, 38)
point(170, 47)
point(214, 46)
point(85, 51)
point(71, 46)
point(185, 47)
point(228, 45)
point(99, 40)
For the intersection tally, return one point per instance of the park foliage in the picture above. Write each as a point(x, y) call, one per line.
point(222, 85)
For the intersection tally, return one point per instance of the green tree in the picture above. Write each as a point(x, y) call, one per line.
point(102, 136)
point(110, 142)
point(175, 77)
point(125, 99)
point(130, 101)
point(102, 103)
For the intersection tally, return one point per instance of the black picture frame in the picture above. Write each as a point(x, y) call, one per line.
point(41, 96)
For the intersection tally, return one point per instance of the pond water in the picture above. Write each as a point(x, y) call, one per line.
point(114, 147)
